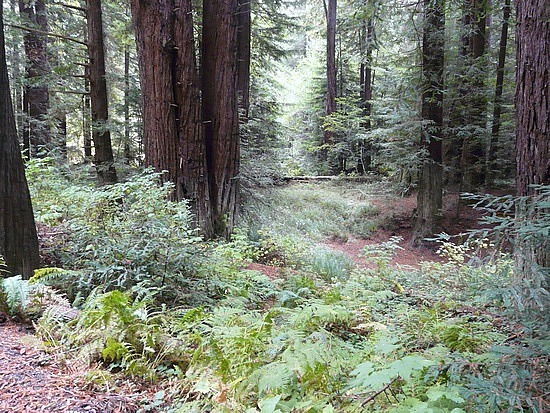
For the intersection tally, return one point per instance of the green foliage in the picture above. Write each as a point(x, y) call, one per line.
point(122, 332)
point(122, 235)
point(15, 294)
point(324, 336)
point(330, 265)
point(311, 212)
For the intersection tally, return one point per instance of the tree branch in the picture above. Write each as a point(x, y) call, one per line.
point(28, 29)
point(73, 92)
point(82, 9)
point(382, 390)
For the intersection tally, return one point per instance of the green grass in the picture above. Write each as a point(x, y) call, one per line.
point(316, 211)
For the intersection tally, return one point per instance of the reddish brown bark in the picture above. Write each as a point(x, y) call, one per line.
point(220, 111)
point(429, 200)
point(172, 127)
point(532, 119)
point(18, 239)
point(101, 136)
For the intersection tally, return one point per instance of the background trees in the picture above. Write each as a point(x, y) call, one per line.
point(101, 135)
point(351, 71)
point(36, 98)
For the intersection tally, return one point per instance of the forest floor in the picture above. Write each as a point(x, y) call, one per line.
point(398, 215)
point(35, 381)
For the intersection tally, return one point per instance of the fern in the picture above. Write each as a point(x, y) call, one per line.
point(17, 292)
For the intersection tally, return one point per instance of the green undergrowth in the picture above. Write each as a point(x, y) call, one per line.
point(318, 211)
point(150, 300)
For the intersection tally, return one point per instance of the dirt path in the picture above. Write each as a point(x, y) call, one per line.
point(32, 381)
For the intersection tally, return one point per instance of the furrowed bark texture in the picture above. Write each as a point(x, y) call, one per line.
point(172, 128)
point(101, 135)
point(429, 197)
point(220, 110)
point(532, 117)
point(18, 240)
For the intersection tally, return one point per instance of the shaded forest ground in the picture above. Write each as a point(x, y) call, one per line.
point(33, 380)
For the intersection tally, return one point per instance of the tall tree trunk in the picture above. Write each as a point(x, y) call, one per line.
point(532, 125)
point(428, 221)
point(15, 58)
point(86, 117)
point(172, 127)
point(18, 239)
point(243, 40)
point(127, 146)
point(475, 103)
point(330, 106)
point(497, 108)
point(36, 99)
point(366, 78)
point(220, 111)
point(103, 159)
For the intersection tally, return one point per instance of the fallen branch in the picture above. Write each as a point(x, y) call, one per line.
point(305, 178)
point(379, 392)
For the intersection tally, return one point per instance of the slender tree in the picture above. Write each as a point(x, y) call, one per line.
point(474, 105)
point(127, 146)
point(220, 110)
point(532, 122)
point(330, 105)
point(429, 198)
point(366, 47)
point(36, 97)
point(243, 39)
point(101, 135)
point(497, 106)
point(18, 239)
point(86, 116)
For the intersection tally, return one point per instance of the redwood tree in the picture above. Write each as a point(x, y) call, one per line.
point(330, 12)
point(220, 111)
point(101, 135)
point(532, 121)
point(429, 198)
point(18, 240)
point(36, 98)
point(172, 126)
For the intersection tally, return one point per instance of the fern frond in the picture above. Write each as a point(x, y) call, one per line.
point(17, 292)
point(274, 377)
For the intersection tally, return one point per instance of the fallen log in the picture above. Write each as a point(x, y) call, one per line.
point(326, 178)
